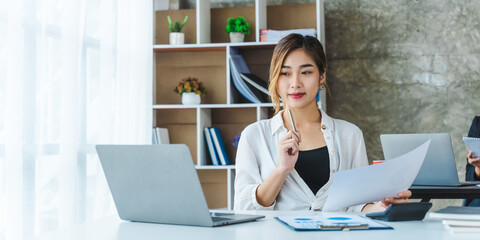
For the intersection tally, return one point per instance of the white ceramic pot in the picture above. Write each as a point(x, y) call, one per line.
point(177, 38)
point(237, 37)
point(190, 98)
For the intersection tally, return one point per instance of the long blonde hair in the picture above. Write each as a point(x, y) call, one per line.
point(293, 41)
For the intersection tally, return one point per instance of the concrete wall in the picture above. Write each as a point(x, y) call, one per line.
point(404, 66)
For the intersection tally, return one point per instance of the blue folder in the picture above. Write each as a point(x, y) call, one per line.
point(331, 222)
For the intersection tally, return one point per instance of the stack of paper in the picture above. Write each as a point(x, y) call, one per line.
point(462, 226)
point(457, 213)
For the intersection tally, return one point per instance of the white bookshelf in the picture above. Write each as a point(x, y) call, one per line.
point(206, 54)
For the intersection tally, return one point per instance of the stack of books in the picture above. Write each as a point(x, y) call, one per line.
point(215, 146)
point(459, 219)
point(269, 35)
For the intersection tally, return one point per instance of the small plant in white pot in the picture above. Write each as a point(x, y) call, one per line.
point(237, 28)
point(190, 89)
point(176, 35)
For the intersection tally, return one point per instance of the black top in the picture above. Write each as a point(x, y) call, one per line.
point(314, 167)
point(470, 174)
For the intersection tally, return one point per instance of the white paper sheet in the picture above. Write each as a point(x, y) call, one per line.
point(375, 182)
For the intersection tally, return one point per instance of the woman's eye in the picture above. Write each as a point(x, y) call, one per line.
point(306, 72)
point(284, 73)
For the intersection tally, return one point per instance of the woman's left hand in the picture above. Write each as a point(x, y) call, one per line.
point(380, 206)
point(402, 198)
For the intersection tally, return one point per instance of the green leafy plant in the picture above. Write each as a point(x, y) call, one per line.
point(238, 24)
point(177, 26)
point(190, 84)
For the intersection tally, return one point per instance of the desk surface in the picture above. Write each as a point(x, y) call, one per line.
point(112, 228)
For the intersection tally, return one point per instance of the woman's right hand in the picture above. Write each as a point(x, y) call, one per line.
point(288, 150)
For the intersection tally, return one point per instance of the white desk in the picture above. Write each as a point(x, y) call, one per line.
point(268, 228)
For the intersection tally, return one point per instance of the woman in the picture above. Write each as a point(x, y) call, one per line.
point(473, 164)
point(278, 168)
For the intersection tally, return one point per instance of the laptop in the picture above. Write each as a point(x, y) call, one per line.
point(439, 167)
point(159, 184)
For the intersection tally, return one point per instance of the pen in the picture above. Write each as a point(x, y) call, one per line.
point(291, 119)
point(344, 227)
point(294, 129)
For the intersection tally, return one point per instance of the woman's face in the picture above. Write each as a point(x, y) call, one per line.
point(299, 80)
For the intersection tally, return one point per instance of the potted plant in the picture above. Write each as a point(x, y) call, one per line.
point(190, 89)
point(176, 35)
point(237, 28)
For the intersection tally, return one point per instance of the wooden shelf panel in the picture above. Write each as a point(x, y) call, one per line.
point(214, 187)
point(181, 125)
point(208, 66)
point(210, 46)
point(280, 17)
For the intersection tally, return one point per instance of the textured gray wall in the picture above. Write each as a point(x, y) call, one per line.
point(404, 66)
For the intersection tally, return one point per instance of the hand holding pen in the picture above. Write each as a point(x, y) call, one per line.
point(288, 147)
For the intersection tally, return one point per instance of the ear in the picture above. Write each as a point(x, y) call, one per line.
point(322, 79)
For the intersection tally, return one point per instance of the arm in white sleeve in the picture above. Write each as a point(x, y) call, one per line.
point(247, 176)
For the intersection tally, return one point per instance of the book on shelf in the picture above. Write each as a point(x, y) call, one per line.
point(219, 146)
point(260, 87)
point(160, 136)
point(473, 144)
point(154, 136)
point(457, 213)
point(270, 35)
point(250, 86)
point(211, 146)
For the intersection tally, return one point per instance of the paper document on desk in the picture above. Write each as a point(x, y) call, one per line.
point(375, 182)
point(330, 221)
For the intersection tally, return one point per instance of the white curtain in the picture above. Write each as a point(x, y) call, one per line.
point(73, 74)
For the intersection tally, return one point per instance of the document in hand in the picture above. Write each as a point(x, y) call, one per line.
point(374, 183)
point(473, 144)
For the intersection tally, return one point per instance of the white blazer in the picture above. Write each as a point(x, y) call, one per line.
point(257, 157)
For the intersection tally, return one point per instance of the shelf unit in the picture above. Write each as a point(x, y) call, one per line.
point(205, 56)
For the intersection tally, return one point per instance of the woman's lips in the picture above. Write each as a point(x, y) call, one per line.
point(296, 95)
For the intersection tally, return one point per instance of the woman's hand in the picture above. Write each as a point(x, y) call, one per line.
point(288, 150)
point(475, 162)
point(380, 206)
